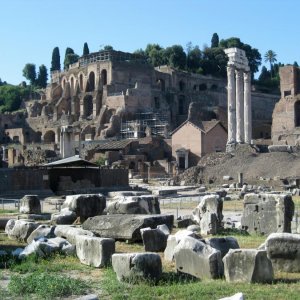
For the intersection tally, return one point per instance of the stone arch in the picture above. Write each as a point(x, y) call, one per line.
point(88, 105)
point(297, 113)
point(72, 85)
point(181, 85)
point(91, 82)
point(104, 77)
point(49, 137)
point(64, 82)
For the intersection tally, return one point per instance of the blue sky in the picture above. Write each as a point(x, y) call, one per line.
point(30, 29)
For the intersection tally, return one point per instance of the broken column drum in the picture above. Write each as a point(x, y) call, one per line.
point(239, 97)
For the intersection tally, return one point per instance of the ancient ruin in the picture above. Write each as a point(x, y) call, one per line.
point(239, 97)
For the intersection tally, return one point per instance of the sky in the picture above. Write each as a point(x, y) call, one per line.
point(30, 29)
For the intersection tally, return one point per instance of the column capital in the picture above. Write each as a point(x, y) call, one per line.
point(239, 73)
point(247, 76)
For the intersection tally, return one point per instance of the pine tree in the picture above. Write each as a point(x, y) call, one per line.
point(42, 76)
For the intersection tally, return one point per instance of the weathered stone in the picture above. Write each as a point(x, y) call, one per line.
point(30, 204)
point(71, 233)
point(237, 296)
point(267, 213)
point(41, 231)
point(134, 267)
point(194, 257)
point(194, 228)
point(144, 204)
point(119, 194)
point(125, 227)
point(247, 265)
point(223, 244)
point(94, 251)
point(20, 229)
point(284, 251)
point(183, 222)
point(154, 240)
point(208, 214)
point(86, 205)
point(64, 217)
point(44, 247)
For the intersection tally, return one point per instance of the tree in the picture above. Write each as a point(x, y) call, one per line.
point(194, 57)
point(295, 64)
point(215, 40)
point(270, 56)
point(253, 55)
point(11, 97)
point(108, 48)
point(155, 55)
point(70, 58)
point(29, 73)
point(42, 77)
point(214, 62)
point(55, 62)
point(176, 57)
point(86, 49)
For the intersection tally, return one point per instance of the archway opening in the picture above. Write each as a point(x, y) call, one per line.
point(88, 106)
point(91, 82)
point(81, 82)
point(181, 105)
point(104, 77)
point(49, 137)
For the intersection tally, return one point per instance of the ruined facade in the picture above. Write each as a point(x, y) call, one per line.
point(112, 94)
point(286, 114)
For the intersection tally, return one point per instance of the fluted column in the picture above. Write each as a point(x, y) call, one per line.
point(239, 106)
point(247, 108)
point(231, 105)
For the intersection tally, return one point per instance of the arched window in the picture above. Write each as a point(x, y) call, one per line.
point(49, 137)
point(91, 82)
point(181, 105)
point(104, 77)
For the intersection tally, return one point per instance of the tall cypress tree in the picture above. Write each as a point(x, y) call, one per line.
point(55, 63)
point(86, 49)
point(42, 76)
point(215, 40)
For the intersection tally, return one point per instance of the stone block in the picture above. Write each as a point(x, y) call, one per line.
point(208, 214)
point(70, 233)
point(20, 230)
point(223, 244)
point(125, 227)
point(30, 204)
point(247, 266)
point(284, 251)
point(267, 213)
point(94, 251)
point(198, 259)
point(41, 231)
point(86, 205)
point(64, 217)
point(154, 240)
point(144, 204)
point(135, 267)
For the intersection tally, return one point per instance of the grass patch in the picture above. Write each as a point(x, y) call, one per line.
point(54, 264)
point(171, 286)
point(46, 286)
point(8, 211)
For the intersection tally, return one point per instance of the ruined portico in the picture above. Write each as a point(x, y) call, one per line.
point(239, 97)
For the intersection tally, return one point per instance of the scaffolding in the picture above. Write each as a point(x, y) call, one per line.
point(155, 122)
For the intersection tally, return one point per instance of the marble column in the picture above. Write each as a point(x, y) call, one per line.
point(247, 108)
point(239, 106)
point(231, 105)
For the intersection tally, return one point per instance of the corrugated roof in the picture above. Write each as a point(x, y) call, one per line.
point(73, 160)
